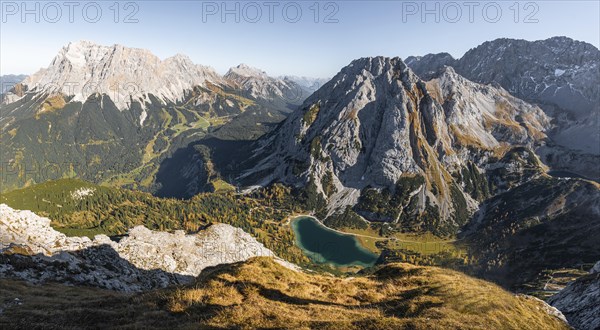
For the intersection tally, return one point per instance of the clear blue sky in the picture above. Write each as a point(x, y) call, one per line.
point(363, 28)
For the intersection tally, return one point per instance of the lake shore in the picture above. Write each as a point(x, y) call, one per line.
point(326, 245)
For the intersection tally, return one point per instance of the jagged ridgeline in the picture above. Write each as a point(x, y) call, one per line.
point(114, 115)
point(559, 74)
point(379, 142)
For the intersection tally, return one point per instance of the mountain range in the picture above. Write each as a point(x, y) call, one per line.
point(95, 102)
point(559, 74)
point(495, 154)
point(355, 147)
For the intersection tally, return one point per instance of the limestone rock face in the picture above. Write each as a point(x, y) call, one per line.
point(376, 122)
point(31, 250)
point(187, 254)
point(559, 74)
point(580, 301)
point(546, 307)
point(27, 229)
point(84, 68)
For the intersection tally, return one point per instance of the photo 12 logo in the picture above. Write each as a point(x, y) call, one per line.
point(270, 11)
point(69, 12)
point(469, 11)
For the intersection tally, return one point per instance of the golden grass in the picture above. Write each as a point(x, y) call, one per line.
point(466, 140)
point(434, 90)
point(13, 132)
point(263, 294)
point(245, 102)
point(52, 103)
point(311, 114)
point(221, 186)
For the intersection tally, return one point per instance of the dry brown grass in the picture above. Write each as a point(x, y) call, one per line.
point(52, 103)
point(263, 294)
point(466, 140)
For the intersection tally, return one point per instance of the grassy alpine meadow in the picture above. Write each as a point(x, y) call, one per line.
point(263, 294)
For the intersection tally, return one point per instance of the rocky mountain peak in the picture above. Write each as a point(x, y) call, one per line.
point(426, 66)
point(558, 74)
point(376, 66)
point(258, 85)
point(246, 71)
point(376, 125)
point(83, 68)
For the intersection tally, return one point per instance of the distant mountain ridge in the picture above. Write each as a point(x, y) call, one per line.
point(559, 70)
point(310, 84)
point(82, 69)
point(8, 81)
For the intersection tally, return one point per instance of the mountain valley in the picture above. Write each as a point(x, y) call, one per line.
point(160, 193)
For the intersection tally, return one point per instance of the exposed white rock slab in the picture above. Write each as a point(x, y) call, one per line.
point(579, 301)
point(28, 229)
point(144, 259)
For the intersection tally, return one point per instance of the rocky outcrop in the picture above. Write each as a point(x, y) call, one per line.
point(144, 259)
point(545, 307)
point(580, 301)
point(8, 81)
point(25, 228)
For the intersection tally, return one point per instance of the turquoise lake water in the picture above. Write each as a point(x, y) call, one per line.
point(324, 245)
